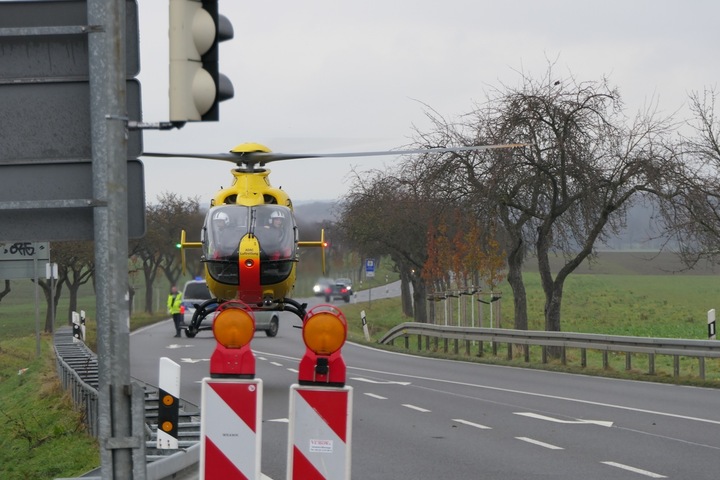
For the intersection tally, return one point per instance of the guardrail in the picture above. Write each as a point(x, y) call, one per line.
point(677, 348)
point(77, 369)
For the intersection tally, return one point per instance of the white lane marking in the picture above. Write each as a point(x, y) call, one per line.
point(471, 424)
point(379, 382)
point(539, 443)
point(279, 420)
point(568, 422)
point(294, 370)
point(194, 360)
point(541, 395)
point(276, 364)
point(262, 358)
point(413, 407)
point(635, 470)
point(173, 346)
point(373, 395)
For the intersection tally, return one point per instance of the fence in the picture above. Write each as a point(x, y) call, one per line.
point(677, 348)
point(77, 370)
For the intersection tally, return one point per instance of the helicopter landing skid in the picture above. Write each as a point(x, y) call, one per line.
point(299, 309)
point(201, 311)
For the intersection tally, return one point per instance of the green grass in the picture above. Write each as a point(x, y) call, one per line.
point(42, 436)
point(670, 306)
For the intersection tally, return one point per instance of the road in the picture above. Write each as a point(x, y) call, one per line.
point(427, 418)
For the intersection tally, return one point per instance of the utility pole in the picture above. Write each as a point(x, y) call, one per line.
point(108, 115)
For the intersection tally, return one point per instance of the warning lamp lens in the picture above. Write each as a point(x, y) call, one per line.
point(167, 426)
point(324, 333)
point(233, 327)
point(168, 400)
point(249, 263)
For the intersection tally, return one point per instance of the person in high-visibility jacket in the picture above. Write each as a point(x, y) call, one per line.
point(174, 308)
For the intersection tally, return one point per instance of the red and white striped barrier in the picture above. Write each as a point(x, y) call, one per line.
point(230, 429)
point(320, 432)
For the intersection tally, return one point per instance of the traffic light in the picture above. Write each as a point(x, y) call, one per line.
point(233, 328)
point(196, 84)
point(324, 333)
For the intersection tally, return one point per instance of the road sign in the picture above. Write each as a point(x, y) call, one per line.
point(19, 260)
point(58, 206)
point(370, 267)
point(46, 175)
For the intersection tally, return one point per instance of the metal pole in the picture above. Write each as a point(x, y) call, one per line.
point(37, 309)
point(108, 115)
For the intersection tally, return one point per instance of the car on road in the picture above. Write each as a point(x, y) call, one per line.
point(321, 286)
point(347, 282)
point(197, 295)
point(339, 289)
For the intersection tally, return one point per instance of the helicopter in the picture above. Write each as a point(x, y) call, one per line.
point(249, 238)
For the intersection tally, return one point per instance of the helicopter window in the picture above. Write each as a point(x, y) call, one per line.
point(269, 199)
point(275, 232)
point(225, 226)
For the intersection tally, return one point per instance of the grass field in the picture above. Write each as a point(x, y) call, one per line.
point(622, 294)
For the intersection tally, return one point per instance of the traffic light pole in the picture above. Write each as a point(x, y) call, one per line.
point(108, 115)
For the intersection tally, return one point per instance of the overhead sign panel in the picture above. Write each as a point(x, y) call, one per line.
point(50, 122)
point(59, 206)
point(56, 55)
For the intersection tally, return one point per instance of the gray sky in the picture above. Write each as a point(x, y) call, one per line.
point(334, 76)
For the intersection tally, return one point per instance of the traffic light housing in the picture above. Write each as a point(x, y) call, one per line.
point(196, 84)
point(233, 328)
point(324, 334)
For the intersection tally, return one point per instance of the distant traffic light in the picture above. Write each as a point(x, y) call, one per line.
point(196, 84)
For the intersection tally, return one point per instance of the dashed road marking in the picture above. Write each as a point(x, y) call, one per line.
point(539, 443)
point(471, 424)
point(413, 407)
point(635, 470)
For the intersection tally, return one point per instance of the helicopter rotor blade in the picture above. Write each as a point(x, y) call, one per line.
point(261, 158)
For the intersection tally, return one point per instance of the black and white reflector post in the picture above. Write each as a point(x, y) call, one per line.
point(168, 408)
point(76, 328)
point(711, 324)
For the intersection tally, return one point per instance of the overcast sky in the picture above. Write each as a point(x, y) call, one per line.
point(334, 76)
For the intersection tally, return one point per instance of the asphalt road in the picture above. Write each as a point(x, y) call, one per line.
point(425, 418)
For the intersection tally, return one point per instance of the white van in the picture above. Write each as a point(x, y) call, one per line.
point(196, 295)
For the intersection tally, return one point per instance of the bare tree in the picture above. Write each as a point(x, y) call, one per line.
point(77, 262)
point(157, 252)
point(389, 215)
point(585, 164)
point(691, 213)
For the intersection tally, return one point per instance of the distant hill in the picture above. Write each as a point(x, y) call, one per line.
point(637, 236)
point(316, 212)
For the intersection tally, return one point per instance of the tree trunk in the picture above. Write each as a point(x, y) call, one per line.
point(419, 294)
point(515, 280)
point(405, 295)
point(73, 292)
point(6, 290)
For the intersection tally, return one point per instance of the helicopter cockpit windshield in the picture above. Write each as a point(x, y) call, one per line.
point(272, 225)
